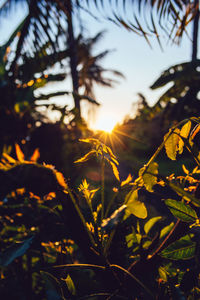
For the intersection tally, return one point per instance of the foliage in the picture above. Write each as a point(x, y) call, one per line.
point(67, 233)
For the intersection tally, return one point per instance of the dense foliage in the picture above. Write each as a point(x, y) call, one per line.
point(101, 241)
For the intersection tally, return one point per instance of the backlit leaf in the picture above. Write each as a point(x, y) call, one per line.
point(14, 251)
point(166, 230)
point(185, 170)
point(181, 192)
point(181, 211)
point(171, 144)
point(149, 177)
point(134, 206)
point(35, 156)
point(19, 153)
point(150, 223)
point(85, 157)
point(162, 273)
point(70, 285)
point(185, 130)
point(181, 249)
point(115, 170)
point(195, 131)
point(9, 158)
point(127, 180)
point(61, 179)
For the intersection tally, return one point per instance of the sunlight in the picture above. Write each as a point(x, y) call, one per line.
point(105, 124)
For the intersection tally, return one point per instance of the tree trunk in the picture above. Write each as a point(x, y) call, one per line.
point(72, 53)
point(195, 33)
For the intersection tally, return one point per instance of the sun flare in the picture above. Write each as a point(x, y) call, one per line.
point(106, 124)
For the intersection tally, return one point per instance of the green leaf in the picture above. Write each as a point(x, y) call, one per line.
point(53, 290)
point(86, 157)
point(181, 211)
point(181, 249)
point(166, 230)
point(185, 130)
point(150, 176)
point(134, 206)
point(70, 285)
point(132, 239)
point(171, 143)
point(14, 251)
point(150, 223)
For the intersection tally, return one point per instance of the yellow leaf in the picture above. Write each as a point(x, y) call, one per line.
point(149, 177)
point(19, 153)
point(185, 130)
point(171, 144)
point(127, 180)
point(134, 206)
point(35, 156)
point(9, 158)
point(85, 157)
point(112, 156)
point(195, 131)
point(61, 179)
point(185, 170)
point(115, 170)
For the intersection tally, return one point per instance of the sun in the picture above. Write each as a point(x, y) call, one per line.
point(105, 124)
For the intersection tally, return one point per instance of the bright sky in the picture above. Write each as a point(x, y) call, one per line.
point(133, 57)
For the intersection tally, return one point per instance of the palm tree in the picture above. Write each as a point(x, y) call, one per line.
point(146, 17)
point(37, 29)
point(181, 99)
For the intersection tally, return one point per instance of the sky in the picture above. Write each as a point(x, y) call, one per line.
point(132, 56)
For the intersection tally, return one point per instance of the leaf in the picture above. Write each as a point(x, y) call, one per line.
point(86, 157)
point(19, 153)
point(171, 143)
point(112, 156)
point(35, 156)
point(166, 230)
point(127, 180)
point(61, 180)
point(53, 290)
point(150, 223)
point(9, 158)
point(131, 239)
point(181, 192)
point(181, 249)
point(14, 251)
point(195, 131)
point(181, 211)
point(162, 273)
point(134, 206)
point(185, 130)
point(149, 177)
point(185, 170)
point(115, 170)
point(70, 285)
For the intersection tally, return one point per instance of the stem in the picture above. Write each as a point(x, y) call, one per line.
point(195, 32)
point(134, 278)
point(102, 185)
point(110, 204)
point(81, 217)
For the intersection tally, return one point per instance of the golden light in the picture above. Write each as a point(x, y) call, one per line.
point(106, 124)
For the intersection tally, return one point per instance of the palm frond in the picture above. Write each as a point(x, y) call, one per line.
point(148, 17)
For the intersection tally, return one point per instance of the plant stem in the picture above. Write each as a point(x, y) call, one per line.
point(81, 217)
point(102, 185)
